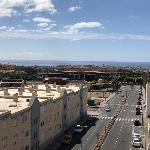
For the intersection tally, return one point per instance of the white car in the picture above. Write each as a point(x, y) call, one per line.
point(78, 129)
point(136, 142)
point(107, 109)
point(136, 135)
point(122, 95)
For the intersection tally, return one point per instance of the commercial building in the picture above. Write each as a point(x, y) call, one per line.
point(32, 117)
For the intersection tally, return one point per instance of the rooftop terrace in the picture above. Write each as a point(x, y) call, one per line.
point(13, 100)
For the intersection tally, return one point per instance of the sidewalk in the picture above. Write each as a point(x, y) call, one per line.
point(146, 121)
point(57, 142)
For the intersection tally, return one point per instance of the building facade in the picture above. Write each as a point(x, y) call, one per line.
point(32, 117)
point(148, 99)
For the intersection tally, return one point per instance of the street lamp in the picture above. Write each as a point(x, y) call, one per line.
point(142, 119)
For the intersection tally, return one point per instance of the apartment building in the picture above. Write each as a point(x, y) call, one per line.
point(148, 99)
point(32, 117)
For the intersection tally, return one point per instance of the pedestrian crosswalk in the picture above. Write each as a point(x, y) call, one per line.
point(126, 119)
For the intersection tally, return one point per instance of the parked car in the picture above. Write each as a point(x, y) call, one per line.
point(137, 135)
point(136, 142)
point(119, 90)
point(139, 103)
point(107, 109)
point(138, 107)
point(78, 129)
point(138, 112)
point(137, 123)
point(122, 95)
point(67, 139)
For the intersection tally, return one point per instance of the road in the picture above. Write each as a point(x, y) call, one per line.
point(120, 136)
point(89, 138)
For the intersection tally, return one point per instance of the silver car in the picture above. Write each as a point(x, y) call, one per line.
point(136, 142)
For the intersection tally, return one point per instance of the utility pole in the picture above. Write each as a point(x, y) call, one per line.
point(126, 94)
point(142, 120)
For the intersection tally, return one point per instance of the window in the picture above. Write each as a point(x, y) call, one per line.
point(27, 133)
point(5, 123)
point(42, 109)
point(15, 122)
point(35, 135)
point(42, 123)
point(15, 139)
point(25, 117)
point(27, 147)
point(35, 120)
point(4, 142)
point(49, 119)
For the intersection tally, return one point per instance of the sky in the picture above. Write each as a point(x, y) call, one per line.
point(87, 30)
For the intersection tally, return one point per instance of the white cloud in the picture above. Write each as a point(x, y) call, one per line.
point(42, 25)
point(41, 20)
point(8, 8)
point(74, 8)
point(41, 6)
point(24, 55)
point(49, 27)
point(74, 28)
point(5, 28)
point(26, 20)
point(47, 34)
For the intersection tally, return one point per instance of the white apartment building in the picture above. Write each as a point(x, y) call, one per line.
point(32, 117)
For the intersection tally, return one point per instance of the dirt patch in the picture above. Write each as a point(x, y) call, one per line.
point(99, 94)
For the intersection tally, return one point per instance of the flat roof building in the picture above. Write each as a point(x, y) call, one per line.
point(32, 117)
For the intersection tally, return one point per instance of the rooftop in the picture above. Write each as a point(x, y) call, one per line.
point(12, 102)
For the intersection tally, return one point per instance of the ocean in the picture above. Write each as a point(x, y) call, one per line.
point(58, 62)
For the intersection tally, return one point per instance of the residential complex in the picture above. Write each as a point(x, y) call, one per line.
point(32, 117)
point(148, 99)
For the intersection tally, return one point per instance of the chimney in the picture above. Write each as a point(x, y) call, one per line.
point(6, 92)
point(20, 90)
point(59, 89)
point(46, 84)
point(62, 92)
point(54, 85)
point(48, 88)
point(34, 93)
point(22, 87)
point(15, 97)
point(31, 89)
point(35, 86)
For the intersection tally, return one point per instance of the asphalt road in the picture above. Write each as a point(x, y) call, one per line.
point(120, 136)
point(88, 139)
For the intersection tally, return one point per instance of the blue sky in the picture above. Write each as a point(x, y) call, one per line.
point(97, 30)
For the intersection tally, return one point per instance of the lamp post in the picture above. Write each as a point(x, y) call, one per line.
point(142, 120)
point(81, 145)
